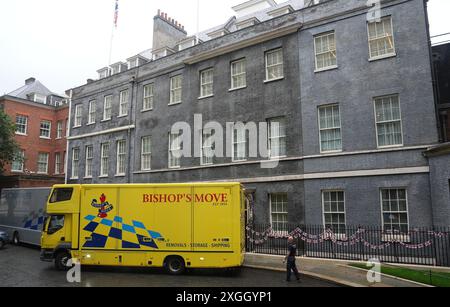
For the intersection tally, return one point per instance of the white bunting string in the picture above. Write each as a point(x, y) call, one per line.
point(338, 239)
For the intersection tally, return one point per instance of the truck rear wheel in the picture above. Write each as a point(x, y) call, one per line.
point(61, 261)
point(175, 265)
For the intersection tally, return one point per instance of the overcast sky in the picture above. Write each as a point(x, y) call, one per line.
point(63, 42)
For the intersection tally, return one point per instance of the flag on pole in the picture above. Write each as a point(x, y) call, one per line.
point(116, 13)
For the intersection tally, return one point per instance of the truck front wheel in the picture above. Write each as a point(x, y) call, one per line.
point(61, 261)
point(175, 265)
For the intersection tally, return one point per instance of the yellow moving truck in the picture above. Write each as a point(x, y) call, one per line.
point(175, 226)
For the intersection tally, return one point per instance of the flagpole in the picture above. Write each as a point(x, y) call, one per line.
point(111, 47)
point(198, 21)
point(116, 16)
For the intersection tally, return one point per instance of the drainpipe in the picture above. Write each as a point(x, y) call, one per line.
point(433, 74)
point(68, 131)
point(131, 108)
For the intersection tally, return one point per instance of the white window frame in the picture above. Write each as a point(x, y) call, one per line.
point(388, 54)
point(22, 156)
point(92, 112)
point(270, 137)
point(204, 85)
point(146, 156)
point(39, 162)
point(104, 162)
point(75, 163)
point(49, 129)
point(40, 98)
point(121, 155)
point(330, 51)
point(329, 128)
point(286, 212)
point(387, 122)
point(237, 143)
point(89, 162)
point(124, 103)
point(57, 163)
point(148, 98)
point(173, 149)
point(174, 91)
point(59, 129)
point(267, 67)
point(400, 236)
point(238, 75)
point(78, 116)
point(107, 108)
point(324, 213)
point(204, 160)
point(22, 124)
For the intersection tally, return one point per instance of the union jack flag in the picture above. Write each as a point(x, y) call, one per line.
point(116, 13)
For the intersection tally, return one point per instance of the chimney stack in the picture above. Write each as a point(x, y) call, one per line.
point(30, 80)
point(167, 31)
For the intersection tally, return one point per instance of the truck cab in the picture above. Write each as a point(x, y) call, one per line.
point(59, 233)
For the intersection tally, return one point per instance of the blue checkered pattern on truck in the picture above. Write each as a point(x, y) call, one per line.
point(137, 235)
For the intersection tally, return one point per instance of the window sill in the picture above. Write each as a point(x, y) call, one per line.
point(147, 110)
point(120, 175)
point(145, 170)
point(174, 167)
point(74, 178)
point(382, 57)
point(273, 80)
point(76, 127)
point(17, 172)
point(326, 69)
point(174, 103)
point(237, 88)
point(88, 178)
point(90, 124)
point(237, 161)
point(21, 134)
point(275, 158)
point(122, 116)
point(205, 97)
point(330, 152)
point(42, 173)
point(105, 120)
point(44, 138)
point(391, 146)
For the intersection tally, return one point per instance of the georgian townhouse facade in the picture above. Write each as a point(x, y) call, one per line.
point(41, 119)
point(348, 104)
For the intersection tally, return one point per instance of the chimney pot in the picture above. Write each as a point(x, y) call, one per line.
point(165, 16)
point(30, 80)
point(159, 12)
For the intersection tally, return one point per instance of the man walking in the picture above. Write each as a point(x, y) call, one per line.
point(290, 259)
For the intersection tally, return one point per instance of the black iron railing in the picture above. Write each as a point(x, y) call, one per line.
point(421, 246)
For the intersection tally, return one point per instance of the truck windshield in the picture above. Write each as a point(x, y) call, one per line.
point(56, 223)
point(61, 194)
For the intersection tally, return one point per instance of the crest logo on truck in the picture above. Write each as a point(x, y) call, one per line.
point(103, 207)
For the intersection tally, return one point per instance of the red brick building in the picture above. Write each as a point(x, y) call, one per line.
point(41, 119)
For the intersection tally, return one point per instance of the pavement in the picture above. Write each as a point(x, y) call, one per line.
point(20, 267)
point(331, 270)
